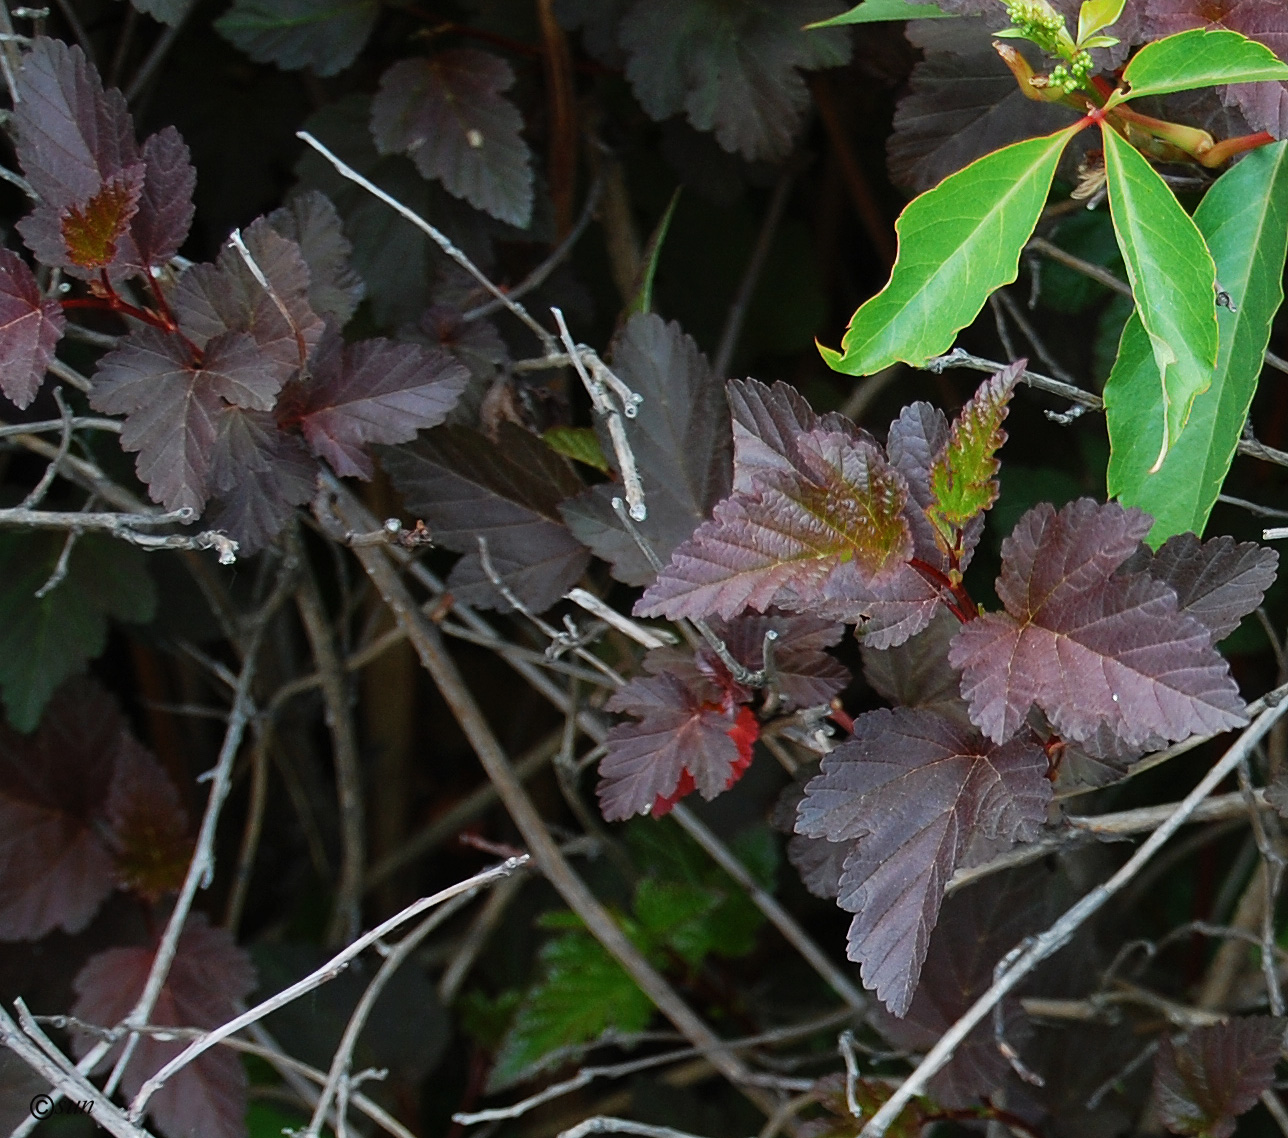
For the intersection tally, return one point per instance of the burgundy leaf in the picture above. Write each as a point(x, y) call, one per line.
point(731, 67)
point(910, 790)
point(1204, 1083)
point(804, 675)
point(449, 114)
point(30, 328)
point(311, 221)
point(148, 825)
point(1217, 582)
point(172, 407)
point(818, 861)
point(680, 438)
point(260, 474)
point(463, 485)
point(1086, 646)
point(165, 209)
point(917, 672)
point(840, 504)
point(206, 981)
point(374, 391)
point(676, 734)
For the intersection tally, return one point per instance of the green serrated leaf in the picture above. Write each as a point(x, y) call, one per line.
point(43, 640)
point(643, 301)
point(581, 994)
point(962, 475)
point(1172, 277)
point(874, 11)
point(322, 35)
point(1244, 219)
point(677, 915)
point(1199, 58)
point(957, 244)
point(580, 443)
point(1097, 14)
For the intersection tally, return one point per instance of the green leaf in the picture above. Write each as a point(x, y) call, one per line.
point(323, 35)
point(874, 11)
point(643, 300)
point(1199, 58)
point(43, 640)
point(957, 244)
point(581, 994)
point(1244, 218)
point(1097, 14)
point(678, 916)
point(580, 443)
point(1172, 278)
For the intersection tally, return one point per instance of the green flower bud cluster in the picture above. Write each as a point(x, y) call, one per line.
point(1070, 78)
point(1038, 22)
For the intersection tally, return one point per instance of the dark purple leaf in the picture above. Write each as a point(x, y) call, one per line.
point(165, 209)
point(732, 67)
point(1218, 582)
point(30, 328)
point(210, 975)
point(1087, 646)
point(916, 673)
point(680, 438)
point(909, 791)
point(464, 485)
point(374, 391)
point(311, 221)
point(818, 861)
point(321, 35)
point(448, 113)
point(1215, 1074)
point(150, 840)
point(840, 505)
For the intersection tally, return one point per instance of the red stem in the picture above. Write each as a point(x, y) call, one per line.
point(115, 304)
point(961, 605)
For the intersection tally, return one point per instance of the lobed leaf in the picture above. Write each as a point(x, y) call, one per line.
point(1173, 280)
point(1215, 1074)
point(957, 244)
point(464, 485)
point(910, 790)
point(165, 207)
point(322, 35)
point(92, 234)
point(1088, 646)
point(30, 328)
point(916, 673)
point(1244, 220)
point(449, 115)
point(680, 438)
point(208, 978)
point(311, 221)
point(840, 503)
point(1201, 57)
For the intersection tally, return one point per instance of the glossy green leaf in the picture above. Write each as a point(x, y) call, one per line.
point(1172, 277)
point(580, 443)
point(1097, 14)
point(874, 11)
point(1200, 58)
point(957, 244)
point(1244, 219)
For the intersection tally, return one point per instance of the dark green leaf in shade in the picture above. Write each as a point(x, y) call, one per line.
point(681, 441)
point(1215, 1074)
point(732, 66)
point(311, 221)
point(322, 35)
point(579, 443)
point(448, 113)
point(1173, 281)
point(463, 485)
point(46, 639)
point(170, 12)
point(643, 300)
point(957, 244)
point(1244, 219)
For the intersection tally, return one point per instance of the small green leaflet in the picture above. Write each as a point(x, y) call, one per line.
point(1198, 58)
point(580, 443)
point(874, 11)
point(1244, 219)
point(1097, 14)
point(958, 243)
point(643, 299)
point(1172, 279)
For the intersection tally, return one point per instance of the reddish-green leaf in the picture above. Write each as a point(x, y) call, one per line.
point(93, 232)
point(30, 328)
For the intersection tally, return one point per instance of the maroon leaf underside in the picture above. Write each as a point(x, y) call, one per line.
point(1204, 1083)
point(909, 791)
point(208, 977)
point(312, 222)
point(1087, 646)
point(676, 731)
point(165, 209)
point(449, 115)
point(30, 328)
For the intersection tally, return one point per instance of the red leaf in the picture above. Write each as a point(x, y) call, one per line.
point(1087, 646)
point(744, 732)
point(375, 391)
point(165, 209)
point(448, 114)
point(909, 791)
point(30, 327)
point(311, 221)
point(208, 978)
point(1204, 1083)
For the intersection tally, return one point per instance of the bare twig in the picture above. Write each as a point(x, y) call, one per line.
point(1062, 931)
point(476, 938)
point(124, 527)
point(604, 1125)
point(845, 1043)
point(1273, 862)
point(254, 825)
point(648, 637)
point(41, 488)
